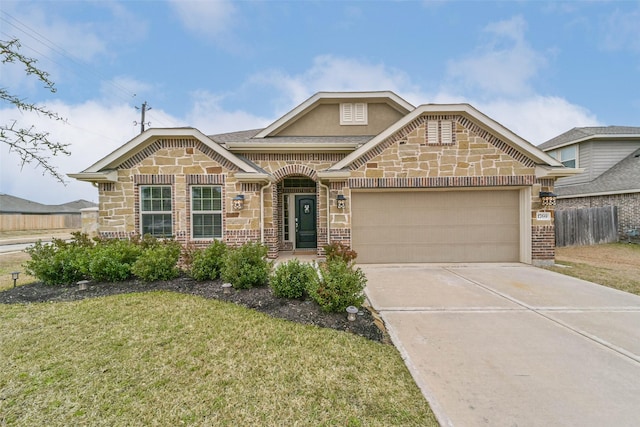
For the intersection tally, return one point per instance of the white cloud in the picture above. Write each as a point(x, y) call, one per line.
point(538, 118)
point(332, 73)
point(208, 115)
point(93, 131)
point(207, 18)
point(503, 66)
point(622, 31)
point(41, 36)
point(63, 47)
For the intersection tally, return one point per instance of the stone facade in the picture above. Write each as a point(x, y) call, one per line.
point(470, 157)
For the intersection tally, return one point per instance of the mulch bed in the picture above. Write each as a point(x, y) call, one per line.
point(367, 324)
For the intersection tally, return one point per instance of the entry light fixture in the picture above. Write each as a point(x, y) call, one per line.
point(548, 198)
point(341, 201)
point(14, 276)
point(238, 202)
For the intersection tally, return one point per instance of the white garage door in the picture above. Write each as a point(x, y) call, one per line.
point(437, 226)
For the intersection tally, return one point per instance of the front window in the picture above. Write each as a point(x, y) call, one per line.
point(156, 211)
point(285, 217)
point(206, 212)
point(567, 156)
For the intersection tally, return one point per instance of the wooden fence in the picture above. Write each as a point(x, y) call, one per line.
point(15, 222)
point(586, 226)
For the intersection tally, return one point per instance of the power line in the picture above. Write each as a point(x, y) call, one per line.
point(60, 51)
point(55, 48)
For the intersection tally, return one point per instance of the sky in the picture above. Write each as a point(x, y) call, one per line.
point(539, 68)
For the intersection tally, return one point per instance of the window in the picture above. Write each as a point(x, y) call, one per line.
point(299, 183)
point(206, 212)
point(353, 113)
point(566, 156)
point(285, 217)
point(155, 211)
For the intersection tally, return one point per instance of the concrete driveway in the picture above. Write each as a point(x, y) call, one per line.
point(513, 345)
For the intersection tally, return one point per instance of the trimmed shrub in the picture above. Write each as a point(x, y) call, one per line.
point(291, 279)
point(59, 262)
point(339, 286)
point(337, 250)
point(207, 264)
point(111, 260)
point(246, 266)
point(158, 262)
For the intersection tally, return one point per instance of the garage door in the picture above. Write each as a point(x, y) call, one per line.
point(437, 226)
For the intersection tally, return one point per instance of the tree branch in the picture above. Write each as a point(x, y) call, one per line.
point(30, 145)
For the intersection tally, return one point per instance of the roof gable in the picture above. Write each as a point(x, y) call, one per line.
point(580, 134)
point(103, 168)
point(321, 98)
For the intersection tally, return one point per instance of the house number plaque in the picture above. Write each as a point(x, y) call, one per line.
point(543, 216)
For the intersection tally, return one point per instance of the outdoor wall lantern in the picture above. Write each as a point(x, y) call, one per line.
point(548, 198)
point(341, 201)
point(14, 276)
point(351, 313)
point(238, 202)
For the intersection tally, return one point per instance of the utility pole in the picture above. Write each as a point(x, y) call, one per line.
point(143, 109)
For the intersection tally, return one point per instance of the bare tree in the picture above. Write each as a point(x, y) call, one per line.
point(30, 144)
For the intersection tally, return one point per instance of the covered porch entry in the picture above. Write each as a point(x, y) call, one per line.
point(297, 214)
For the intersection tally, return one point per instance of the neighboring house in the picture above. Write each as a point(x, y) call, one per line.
point(398, 183)
point(610, 157)
point(22, 214)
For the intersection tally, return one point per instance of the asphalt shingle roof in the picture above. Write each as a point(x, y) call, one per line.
point(624, 176)
point(12, 204)
point(579, 133)
point(248, 136)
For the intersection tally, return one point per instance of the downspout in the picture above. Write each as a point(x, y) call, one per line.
point(328, 213)
point(262, 211)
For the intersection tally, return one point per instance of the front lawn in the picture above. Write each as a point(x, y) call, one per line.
point(9, 263)
point(616, 265)
point(169, 359)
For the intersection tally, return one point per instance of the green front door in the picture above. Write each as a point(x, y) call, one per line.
point(306, 234)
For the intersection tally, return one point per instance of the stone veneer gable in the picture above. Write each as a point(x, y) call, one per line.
point(168, 143)
point(461, 125)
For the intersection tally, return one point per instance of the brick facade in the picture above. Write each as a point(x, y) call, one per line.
point(628, 208)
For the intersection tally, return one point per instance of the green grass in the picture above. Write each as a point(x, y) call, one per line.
point(610, 277)
point(172, 359)
point(615, 265)
point(10, 263)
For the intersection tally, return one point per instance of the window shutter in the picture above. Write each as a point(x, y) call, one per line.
point(347, 113)
point(446, 132)
point(432, 132)
point(360, 113)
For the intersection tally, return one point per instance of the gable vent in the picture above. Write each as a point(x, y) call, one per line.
point(446, 133)
point(353, 113)
point(440, 132)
